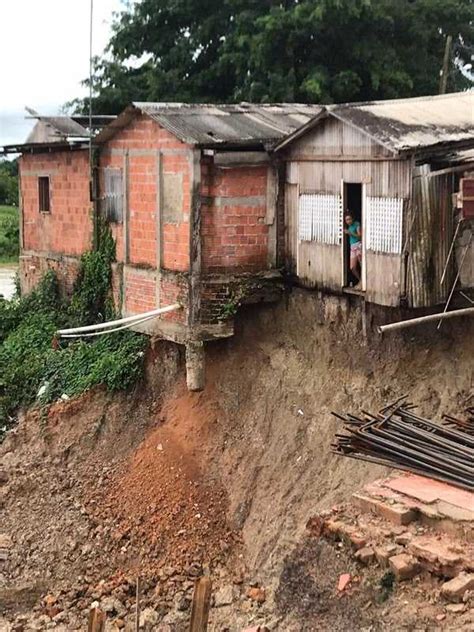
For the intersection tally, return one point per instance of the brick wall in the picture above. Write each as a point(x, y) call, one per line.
point(34, 266)
point(143, 139)
point(234, 234)
point(67, 228)
point(223, 295)
point(175, 289)
point(139, 290)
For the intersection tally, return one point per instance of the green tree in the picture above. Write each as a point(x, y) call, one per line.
point(278, 50)
point(9, 182)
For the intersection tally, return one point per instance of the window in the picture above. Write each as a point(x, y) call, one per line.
point(384, 220)
point(320, 218)
point(43, 192)
point(113, 195)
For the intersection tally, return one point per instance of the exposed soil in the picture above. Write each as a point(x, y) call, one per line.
point(163, 507)
point(166, 484)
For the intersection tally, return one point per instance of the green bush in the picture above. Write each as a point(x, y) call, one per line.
point(9, 233)
point(32, 368)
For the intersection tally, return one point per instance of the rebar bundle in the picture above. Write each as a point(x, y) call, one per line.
point(398, 437)
point(466, 424)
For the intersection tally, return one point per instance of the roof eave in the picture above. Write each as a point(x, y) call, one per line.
point(32, 148)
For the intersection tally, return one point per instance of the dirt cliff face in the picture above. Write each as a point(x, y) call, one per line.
point(163, 483)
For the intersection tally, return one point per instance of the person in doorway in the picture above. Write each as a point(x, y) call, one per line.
point(354, 231)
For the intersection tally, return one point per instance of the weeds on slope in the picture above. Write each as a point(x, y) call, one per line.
point(33, 369)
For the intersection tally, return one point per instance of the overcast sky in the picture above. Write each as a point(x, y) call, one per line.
point(44, 56)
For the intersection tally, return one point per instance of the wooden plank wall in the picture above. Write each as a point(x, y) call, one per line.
point(319, 162)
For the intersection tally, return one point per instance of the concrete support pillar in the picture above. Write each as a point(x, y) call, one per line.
point(195, 366)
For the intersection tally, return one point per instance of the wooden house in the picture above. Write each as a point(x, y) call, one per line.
point(398, 167)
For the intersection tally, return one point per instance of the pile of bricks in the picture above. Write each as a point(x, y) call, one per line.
point(408, 535)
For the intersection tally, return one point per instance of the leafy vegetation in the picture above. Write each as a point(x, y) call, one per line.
point(33, 368)
point(9, 182)
point(9, 234)
point(280, 50)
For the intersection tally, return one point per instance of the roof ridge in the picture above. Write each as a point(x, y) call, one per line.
point(427, 97)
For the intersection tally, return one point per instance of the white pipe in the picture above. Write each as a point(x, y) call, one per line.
point(109, 331)
point(467, 311)
point(120, 321)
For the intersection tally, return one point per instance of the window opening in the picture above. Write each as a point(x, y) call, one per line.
point(112, 200)
point(44, 194)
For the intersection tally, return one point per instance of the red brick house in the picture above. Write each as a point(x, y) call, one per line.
point(193, 201)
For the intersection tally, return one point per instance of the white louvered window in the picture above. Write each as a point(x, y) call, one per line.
point(113, 195)
point(383, 224)
point(320, 218)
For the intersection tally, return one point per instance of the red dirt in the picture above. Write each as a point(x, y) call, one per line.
point(163, 505)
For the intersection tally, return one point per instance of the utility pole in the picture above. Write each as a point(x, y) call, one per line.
point(443, 75)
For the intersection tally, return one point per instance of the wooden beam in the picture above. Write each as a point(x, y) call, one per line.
point(201, 605)
point(96, 622)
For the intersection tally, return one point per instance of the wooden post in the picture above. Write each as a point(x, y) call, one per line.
point(201, 605)
point(96, 621)
point(443, 79)
point(137, 605)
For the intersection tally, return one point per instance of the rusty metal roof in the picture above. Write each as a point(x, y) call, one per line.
point(206, 125)
point(407, 125)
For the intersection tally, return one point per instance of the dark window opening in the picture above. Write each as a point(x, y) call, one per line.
point(353, 206)
point(43, 191)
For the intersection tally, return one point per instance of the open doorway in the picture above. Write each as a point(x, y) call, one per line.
point(352, 203)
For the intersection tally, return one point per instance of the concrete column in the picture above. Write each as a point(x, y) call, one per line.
point(195, 366)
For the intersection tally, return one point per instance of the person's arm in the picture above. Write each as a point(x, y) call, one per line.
point(359, 231)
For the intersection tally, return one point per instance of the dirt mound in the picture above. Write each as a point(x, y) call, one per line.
point(163, 505)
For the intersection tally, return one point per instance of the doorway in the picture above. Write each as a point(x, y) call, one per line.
point(352, 203)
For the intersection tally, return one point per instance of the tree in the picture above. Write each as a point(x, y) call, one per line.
point(9, 182)
point(278, 50)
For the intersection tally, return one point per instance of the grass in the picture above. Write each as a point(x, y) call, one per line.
point(9, 235)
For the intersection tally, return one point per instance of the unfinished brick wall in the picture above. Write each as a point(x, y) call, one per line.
point(33, 267)
point(234, 234)
point(175, 289)
point(152, 149)
point(144, 139)
point(141, 290)
point(67, 228)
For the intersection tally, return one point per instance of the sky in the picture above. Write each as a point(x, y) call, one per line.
point(44, 56)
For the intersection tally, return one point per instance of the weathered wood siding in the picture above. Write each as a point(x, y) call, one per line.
point(319, 162)
point(331, 137)
point(429, 237)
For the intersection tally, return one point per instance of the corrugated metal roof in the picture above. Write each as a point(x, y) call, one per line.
point(208, 125)
point(56, 131)
point(461, 157)
point(406, 125)
point(53, 129)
